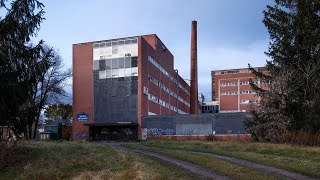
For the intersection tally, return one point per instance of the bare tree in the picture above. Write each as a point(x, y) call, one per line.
point(50, 88)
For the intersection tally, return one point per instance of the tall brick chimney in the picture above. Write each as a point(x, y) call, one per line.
point(194, 70)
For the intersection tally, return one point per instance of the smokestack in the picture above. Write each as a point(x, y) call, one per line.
point(194, 70)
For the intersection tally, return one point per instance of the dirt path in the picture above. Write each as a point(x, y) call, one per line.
point(209, 173)
point(268, 169)
point(196, 169)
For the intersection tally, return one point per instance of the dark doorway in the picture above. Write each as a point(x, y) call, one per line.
point(114, 133)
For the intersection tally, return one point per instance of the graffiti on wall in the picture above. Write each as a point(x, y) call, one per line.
point(81, 135)
point(194, 132)
point(159, 131)
point(127, 131)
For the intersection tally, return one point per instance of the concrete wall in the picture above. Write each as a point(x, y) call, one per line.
point(202, 124)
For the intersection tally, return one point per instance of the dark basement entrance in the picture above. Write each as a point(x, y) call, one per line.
point(113, 132)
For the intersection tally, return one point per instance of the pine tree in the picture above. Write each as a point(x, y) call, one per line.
point(19, 67)
point(293, 102)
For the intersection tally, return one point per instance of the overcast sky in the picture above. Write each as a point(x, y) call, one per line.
point(230, 32)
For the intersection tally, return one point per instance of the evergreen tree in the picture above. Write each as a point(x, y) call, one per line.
point(31, 76)
point(18, 66)
point(293, 102)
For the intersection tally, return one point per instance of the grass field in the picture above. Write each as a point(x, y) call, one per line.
point(84, 160)
point(222, 167)
point(301, 159)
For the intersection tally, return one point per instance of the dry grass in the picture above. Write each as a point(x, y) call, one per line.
point(134, 172)
point(302, 138)
point(301, 159)
point(222, 167)
point(8, 153)
point(84, 160)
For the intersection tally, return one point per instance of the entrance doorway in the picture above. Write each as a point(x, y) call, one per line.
point(114, 133)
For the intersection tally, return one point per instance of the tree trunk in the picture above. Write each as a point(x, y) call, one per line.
point(35, 127)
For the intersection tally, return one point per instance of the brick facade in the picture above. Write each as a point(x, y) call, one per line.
point(149, 46)
point(232, 89)
point(82, 88)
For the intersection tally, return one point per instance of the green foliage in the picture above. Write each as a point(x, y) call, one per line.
point(30, 74)
point(60, 111)
point(292, 104)
point(18, 61)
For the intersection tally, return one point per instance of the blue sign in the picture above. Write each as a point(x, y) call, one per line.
point(82, 117)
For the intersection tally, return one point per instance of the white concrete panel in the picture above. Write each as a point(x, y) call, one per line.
point(134, 49)
point(106, 52)
point(124, 49)
point(97, 52)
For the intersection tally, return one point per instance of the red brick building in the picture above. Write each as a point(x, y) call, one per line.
point(232, 90)
point(116, 82)
point(4, 133)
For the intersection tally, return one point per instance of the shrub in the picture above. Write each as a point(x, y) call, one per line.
point(302, 138)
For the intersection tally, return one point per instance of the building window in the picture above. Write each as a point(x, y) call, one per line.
point(96, 45)
point(247, 92)
point(102, 65)
point(121, 62)
point(244, 83)
point(127, 63)
point(102, 45)
point(229, 93)
point(229, 84)
point(108, 74)
point(108, 63)
point(134, 61)
point(248, 101)
point(114, 63)
point(127, 42)
point(120, 42)
point(134, 41)
point(152, 61)
point(95, 65)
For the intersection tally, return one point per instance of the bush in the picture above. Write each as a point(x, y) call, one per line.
point(302, 138)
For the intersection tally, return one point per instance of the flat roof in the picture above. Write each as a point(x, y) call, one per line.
point(111, 124)
point(236, 69)
point(114, 39)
